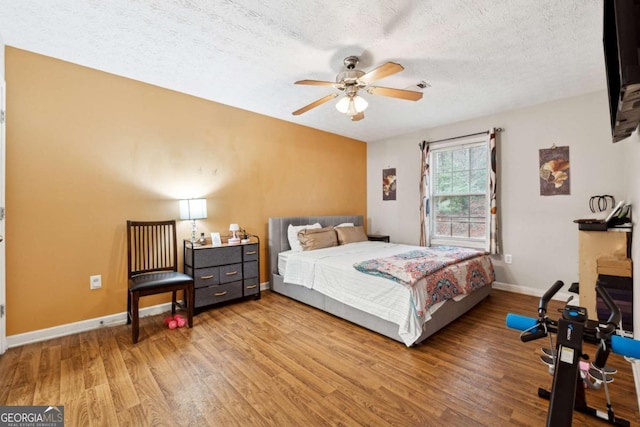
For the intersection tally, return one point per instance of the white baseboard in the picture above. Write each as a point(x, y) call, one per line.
point(525, 290)
point(88, 325)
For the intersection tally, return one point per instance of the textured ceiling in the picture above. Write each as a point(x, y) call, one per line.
point(479, 56)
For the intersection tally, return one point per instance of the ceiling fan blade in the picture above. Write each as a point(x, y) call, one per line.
point(314, 104)
point(315, 83)
point(357, 117)
point(409, 95)
point(384, 70)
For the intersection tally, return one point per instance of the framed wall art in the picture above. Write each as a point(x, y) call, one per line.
point(555, 171)
point(389, 184)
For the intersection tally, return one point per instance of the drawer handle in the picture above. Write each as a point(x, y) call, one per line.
point(207, 277)
point(250, 253)
point(231, 273)
point(252, 286)
point(220, 294)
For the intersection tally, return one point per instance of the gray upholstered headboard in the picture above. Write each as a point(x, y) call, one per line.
point(279, 242)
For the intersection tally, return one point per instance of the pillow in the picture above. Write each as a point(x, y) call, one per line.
point(345, 224)
point(292, 235)
point(317, 238)
point(350, 235)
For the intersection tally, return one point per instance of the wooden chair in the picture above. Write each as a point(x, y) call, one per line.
point(152, 260)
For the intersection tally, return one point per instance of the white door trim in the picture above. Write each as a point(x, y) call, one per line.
point(3, 295)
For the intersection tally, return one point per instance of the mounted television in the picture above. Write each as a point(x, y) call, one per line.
point(621, 40)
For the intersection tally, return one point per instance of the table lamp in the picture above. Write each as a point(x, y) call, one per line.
point(234, 228)
point(193, 209)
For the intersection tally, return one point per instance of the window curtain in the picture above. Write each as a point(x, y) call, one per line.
point(494, 237)
point(424, 193)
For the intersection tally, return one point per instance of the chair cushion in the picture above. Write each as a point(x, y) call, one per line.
point(152, 280)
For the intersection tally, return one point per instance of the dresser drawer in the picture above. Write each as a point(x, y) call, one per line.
point(230, 273)
point(250, 252)
point(250, 269)
point(206, 277)
point(210, 257)
point(251, 286)
point(218, 293)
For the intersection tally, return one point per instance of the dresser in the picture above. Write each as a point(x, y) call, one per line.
point(223, 273)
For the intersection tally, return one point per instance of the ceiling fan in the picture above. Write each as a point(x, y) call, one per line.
point(351, 80)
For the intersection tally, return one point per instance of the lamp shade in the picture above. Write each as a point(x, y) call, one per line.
point(193, 209)
point(234, 227)
point(352, 105)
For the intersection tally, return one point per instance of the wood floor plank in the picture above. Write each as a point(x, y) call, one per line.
point(301, 406)
point(92, 362)
point(71, 378)
point(353, 405)
point(76, 410)
point(8, 364)
point(21, 395)
point(171, 383)
point(112, 360)
point(48, 385)
point(234, 403)
point(68, 344)
point(132, 417)
point(254, 385)
point(100, 408)
point(276, 362)
point(28, 365)
point(277, 408)
point(213, 409)
point(156, 409)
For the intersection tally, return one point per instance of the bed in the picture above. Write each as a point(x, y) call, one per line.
point(395, 315)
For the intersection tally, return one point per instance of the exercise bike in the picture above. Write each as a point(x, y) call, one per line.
point(566, 361)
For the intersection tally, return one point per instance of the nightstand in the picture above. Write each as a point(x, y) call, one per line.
point(378, 237)
point(223, 273)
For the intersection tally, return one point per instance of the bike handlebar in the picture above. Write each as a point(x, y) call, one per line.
point(531, 328)
point(625, 346)
point(544, 300)
point(614, 319)
point(521, 323)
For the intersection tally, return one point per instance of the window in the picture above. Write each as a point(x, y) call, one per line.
point(459, 196)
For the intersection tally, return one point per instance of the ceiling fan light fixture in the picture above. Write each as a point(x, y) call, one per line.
point(351, 105)
point(352, 80)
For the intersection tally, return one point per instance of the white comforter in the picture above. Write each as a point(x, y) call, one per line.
point(330, 271)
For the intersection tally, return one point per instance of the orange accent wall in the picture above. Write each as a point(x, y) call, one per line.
point(87, 150)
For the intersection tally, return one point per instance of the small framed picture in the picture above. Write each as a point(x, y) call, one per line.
point(215, 239)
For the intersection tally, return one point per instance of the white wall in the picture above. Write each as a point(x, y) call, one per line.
point(1, 58)
point(631, 173)
point(537, 231)
point(3, 319)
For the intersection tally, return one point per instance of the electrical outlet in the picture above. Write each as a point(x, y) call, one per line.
point(95, 282)
point(508, 259)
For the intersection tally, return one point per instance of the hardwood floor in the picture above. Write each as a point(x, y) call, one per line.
point(276, 362)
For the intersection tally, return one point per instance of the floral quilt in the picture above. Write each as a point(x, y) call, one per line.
point(448, 272)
